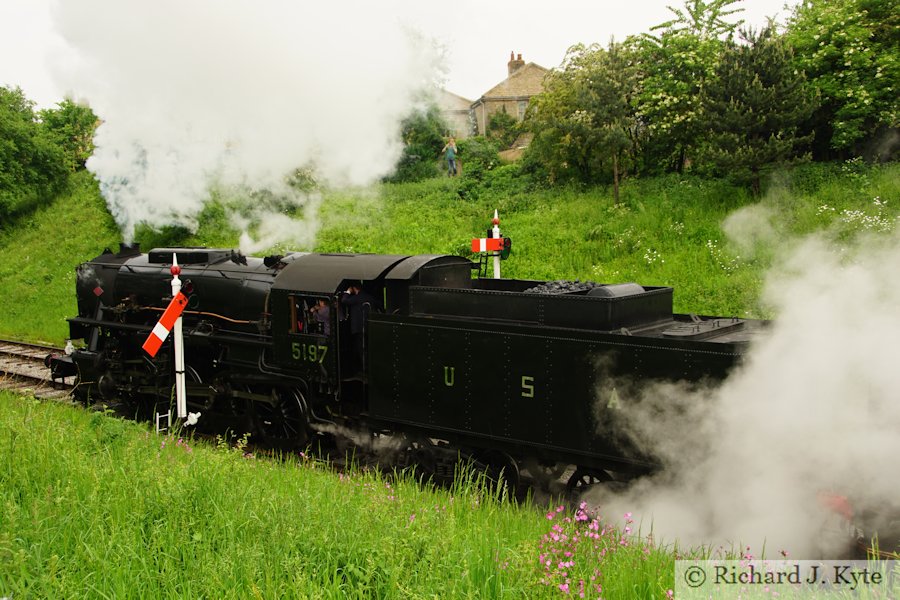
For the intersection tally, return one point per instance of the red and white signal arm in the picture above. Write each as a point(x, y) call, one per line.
point(487, 244)
point(161, 330)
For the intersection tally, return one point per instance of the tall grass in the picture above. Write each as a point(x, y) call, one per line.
point(96, 507)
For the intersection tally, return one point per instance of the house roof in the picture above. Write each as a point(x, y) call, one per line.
point(525, 81)
point(449, 101)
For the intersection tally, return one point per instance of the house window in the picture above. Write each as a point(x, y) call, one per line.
point(523, 104)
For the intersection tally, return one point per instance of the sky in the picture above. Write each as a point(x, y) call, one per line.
point(478, 36)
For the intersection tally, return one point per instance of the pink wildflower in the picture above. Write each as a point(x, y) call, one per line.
point(564, 587)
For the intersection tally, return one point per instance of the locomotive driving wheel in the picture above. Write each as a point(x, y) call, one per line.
point(545, 476)
point(281, 420)
point(500, 469)
point(583, 478)
point(419, 455)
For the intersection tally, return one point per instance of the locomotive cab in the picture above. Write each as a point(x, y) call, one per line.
point(332, 360)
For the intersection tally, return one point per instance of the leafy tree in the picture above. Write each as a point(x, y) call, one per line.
point(72, 125)
point(704, 20)
point(503, 128)
point(850, 51)
point(423, 137)
point(675, 66)
point(754, 106)
point(32, 167)
point(584, 123)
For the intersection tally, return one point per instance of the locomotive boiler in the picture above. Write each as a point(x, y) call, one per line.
point(505, 372)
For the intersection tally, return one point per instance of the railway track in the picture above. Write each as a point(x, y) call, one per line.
point(22, 369)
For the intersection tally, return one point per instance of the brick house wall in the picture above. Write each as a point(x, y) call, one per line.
point(457, 113)
point(513, 93)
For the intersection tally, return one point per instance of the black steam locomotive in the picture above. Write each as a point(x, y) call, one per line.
point(506, 372)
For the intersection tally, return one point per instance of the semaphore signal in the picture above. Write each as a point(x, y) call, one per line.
point(172, 317)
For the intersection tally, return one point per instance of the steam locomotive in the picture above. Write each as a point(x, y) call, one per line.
point(509, 373)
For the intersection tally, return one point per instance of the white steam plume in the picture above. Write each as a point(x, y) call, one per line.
point(816, 407)
point(238, 94)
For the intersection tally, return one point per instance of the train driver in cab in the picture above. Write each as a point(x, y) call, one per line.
point(358, 303)
point(321, 313)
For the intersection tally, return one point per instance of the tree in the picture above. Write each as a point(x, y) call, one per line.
point(754, 106)
point(72, 125)
point(704, 20)
point(584, 122)
point(503, 128)
point(850, 52)
point(31, 166)
point(609, 95)
point(675, 66)
point(423, 137)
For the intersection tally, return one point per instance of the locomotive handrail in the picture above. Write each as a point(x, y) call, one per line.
point(205, 314)
point(223, 334)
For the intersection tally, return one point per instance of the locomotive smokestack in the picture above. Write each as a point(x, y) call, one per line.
point(131, 249)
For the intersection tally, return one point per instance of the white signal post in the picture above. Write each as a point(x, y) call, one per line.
point(495, 233)
point(180, 394)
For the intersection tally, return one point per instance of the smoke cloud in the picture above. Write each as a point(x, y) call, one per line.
point(240, 95)
point(815, 407)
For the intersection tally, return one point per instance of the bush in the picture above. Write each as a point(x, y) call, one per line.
point(32, 166)
point(72, 127)
point(503, 128)
point(423, 139)
point(478, 155)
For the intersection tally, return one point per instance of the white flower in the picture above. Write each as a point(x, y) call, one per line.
point(192, 419)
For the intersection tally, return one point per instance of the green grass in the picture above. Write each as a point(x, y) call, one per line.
point(666, 231)
point(38, 256)
point(95, 507)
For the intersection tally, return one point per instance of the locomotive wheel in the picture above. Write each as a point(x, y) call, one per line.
point(545, 476)
point(420, 456)
point(583, 478)
point(283, 424)
point(501, 471)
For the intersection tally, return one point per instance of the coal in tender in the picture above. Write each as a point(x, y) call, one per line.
point(562, 287)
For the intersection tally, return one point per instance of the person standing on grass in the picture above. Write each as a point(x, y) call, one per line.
point(450, 152)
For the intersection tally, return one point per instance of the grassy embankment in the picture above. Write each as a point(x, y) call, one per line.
point(93, 507)
point(96, 507)
point(666, 231)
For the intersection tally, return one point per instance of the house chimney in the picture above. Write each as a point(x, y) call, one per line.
point(514, 63)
